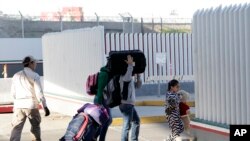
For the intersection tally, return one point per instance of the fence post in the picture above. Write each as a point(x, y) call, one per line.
point(161, 24)
point(142, 26)
point(22, 23)
point(153, 26)
point(97, 19)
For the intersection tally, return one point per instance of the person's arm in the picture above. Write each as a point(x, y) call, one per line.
point(39, 91)
point(128, 76)
point(138, 81)
point(40, 95)
point(102, 82)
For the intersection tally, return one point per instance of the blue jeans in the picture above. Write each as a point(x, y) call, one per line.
point(130, 116)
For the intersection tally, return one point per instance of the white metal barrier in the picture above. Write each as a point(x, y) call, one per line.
point(176, 46)
point(221, 64)
point(69, 57)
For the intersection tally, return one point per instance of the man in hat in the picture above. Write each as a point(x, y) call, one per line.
point(27, 92)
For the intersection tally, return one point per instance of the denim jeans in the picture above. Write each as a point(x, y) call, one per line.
point(130, 117)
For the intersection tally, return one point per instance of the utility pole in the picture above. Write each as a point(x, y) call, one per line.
point(123, 25)
point(22, 23)
point(61, 22)
point(161, 24)
point(132, 22)
point(97, 19)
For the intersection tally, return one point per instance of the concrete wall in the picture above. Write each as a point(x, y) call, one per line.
point(16, 49)
point(36, 29)
point(5, 96)
point(11, 28)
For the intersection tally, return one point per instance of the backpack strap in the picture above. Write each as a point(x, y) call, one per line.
point(83, 126)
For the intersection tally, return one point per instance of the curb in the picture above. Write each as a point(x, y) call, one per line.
point(6, 108)
point(150, 119)
point(143, 120)
point(158, 103)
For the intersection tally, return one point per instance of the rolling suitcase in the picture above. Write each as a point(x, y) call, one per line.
point(119, 66)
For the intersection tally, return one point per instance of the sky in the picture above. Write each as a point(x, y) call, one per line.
point(137, 8)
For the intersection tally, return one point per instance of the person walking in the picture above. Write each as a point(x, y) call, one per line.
point(103, 78)
point(27, 92)
point(172, 110)
point(130, 116)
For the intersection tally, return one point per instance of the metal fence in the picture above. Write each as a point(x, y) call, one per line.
point(174, 49)
point(221, 64)
point(100, 19)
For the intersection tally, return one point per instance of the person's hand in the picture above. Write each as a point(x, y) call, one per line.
point(129, 60)
point(47, 112)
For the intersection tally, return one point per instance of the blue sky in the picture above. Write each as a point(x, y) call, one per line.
point(137, 8)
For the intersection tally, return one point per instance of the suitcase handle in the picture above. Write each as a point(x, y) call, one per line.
point(83, 127)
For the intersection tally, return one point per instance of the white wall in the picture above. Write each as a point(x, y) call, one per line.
point(5, 97)
point(68, 58)
point(221, 64)
point(12, 49)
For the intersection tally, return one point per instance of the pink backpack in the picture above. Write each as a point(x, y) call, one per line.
point(92, 84)
point(97, 112)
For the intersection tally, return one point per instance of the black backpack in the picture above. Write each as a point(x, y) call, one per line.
point(112, 92)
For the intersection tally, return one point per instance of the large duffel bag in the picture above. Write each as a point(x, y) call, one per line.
point(81, 128)
point(84, 125)
point(97, 112)
point(119, 66)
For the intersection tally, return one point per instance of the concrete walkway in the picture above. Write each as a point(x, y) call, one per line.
point(54, 126)
point(153, 123)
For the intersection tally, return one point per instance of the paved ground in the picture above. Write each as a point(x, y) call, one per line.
point(153, 127)
point(54, 126)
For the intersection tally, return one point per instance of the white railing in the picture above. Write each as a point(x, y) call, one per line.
point(177, 48)
point(221, 64)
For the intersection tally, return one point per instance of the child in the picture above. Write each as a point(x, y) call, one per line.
point(172, 110)
point(131, 119)
point(184, 110)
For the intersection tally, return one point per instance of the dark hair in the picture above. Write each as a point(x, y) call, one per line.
point(108, 64)
point(172, 83)
point(26, 61)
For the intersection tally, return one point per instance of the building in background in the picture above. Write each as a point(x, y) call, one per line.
point(67, 14)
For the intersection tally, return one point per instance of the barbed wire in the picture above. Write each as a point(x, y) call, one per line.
point(99, 18)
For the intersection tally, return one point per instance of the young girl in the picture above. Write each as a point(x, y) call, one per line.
point(172, 110)
point(184, 110)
